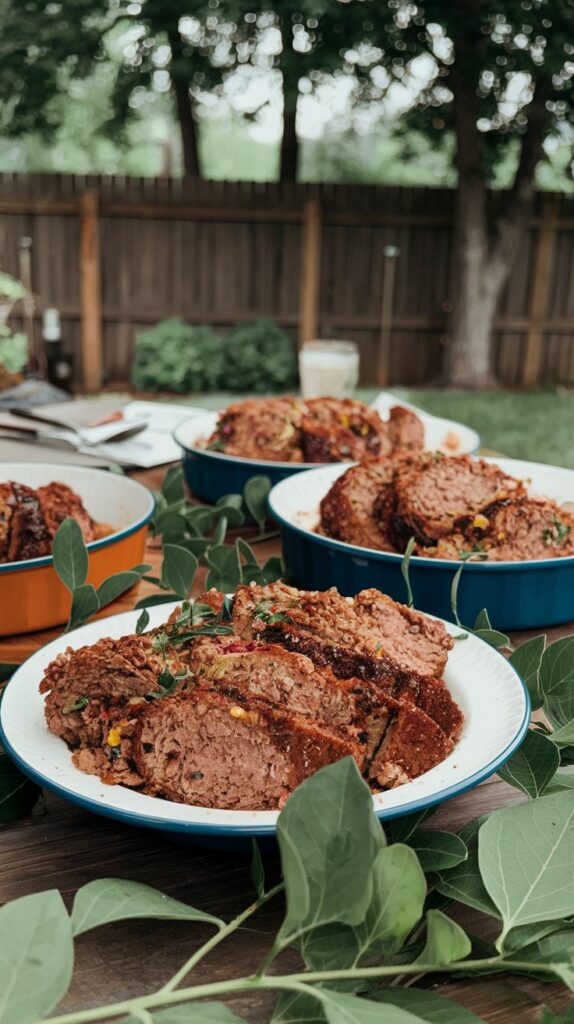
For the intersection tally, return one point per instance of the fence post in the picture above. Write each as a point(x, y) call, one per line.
point(540, 293)
point(90, 289)
point(310, 271)
point(390, 255)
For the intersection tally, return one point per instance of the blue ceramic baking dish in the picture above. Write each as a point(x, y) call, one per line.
point(517, 595)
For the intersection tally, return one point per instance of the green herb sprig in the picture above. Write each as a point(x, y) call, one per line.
point(360, 909)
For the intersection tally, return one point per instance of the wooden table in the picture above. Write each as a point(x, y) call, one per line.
point(60, 846)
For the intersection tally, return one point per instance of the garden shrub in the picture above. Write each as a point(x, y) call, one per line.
point(175, 356)
point(259, 357)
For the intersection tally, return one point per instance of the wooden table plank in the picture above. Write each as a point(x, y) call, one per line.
point(61, 846)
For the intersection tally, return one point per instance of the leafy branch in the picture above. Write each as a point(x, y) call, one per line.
point(356, 905)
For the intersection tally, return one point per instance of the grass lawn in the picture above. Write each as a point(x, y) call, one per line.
point(536, 425)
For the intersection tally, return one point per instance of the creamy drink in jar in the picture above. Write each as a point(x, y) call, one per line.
point(328, 368)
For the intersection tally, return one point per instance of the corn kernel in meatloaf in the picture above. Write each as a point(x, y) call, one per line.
point(213, 750)
point(347, 508)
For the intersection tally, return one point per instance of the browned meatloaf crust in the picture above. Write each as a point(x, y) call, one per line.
point(29, 519)
point(326, 628)
point(433, 491)
point(210, 749)
point(342, 430)
point(93, 686)
point(509, 530)
point(261, 428)
point(347, 509)
point(406, 431)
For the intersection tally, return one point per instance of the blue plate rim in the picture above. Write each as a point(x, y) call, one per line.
point(133, 818)
point(395, 558)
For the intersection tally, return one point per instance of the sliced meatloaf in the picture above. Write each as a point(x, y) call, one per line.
point(512, 529)
point(261, 428)
point(94, 686)
point(415, 641)
point(7, 504)
point(347, 509)
point(342, 430)
point(214, 750)
point(412, 744)
point(29, 519)
point(326, 628)
point(406, 430)
point(57, 502)
point(29, 536)
point(433, 491)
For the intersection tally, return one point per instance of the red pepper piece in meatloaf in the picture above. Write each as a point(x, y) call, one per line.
point(347, 509)
point(261, 428)
point(433, 491)
point(326, 628)
point(88, 688)
point(513, 529)
point(214, 750)
point(406, 430)
point(342, 430)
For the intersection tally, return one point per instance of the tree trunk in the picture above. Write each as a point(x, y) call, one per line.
point(188, 129)
point(289, 146)
point(289, 153)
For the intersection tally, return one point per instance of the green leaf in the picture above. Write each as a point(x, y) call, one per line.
point(340, 1008)
point(142, 623)
point(246, 553)
point(526, 660)
point(36, 957)
point(270, 572)
point(533, 765)
point(255, 494)
point(224, 568)
point(397, 902)
point(428, 1006)
point(327, 838)
point(405, 570)
point(464, 882)
point(178, 569)
point(526, 934)
point(438, 851)
point(525, 857)
point(116, 899)
point(561, 781)
point(230, 501)
point(482, 621)
point(564, 1018)
point(116, 585)
point(191, 1013)
point(85, 602)
point(70, 554)
point(557, 681)
point(564, 737)
point(18, 794)
point(172, 486)
point(170, 523)
point(401, 829)
point(493, 637)
point(220, 531)
point(556, 951)
point(257, 872)
point(7, 669)
point(446, 942)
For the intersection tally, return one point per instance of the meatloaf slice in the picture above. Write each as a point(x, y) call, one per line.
point(413, 640)
point(261, 428)
point(342, 430)
point(326, 628)
point(29, 536)
point(509, 530)
point(347, 508)
point(93, 686)
point(291, 681)
point(214, 750)
point(406, 430)
point(433, 491)
point(57, 501)
point(413, 744)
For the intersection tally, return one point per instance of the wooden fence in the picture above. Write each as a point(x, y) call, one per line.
point(365, 263)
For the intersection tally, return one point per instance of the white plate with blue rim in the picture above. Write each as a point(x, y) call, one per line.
point(492, 696)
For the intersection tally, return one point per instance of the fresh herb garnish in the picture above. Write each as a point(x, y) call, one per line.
point(75, 704)
point(217, 445)
point(264, 612)
point(477, 551)
point(558, 533)
point(168, 682)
